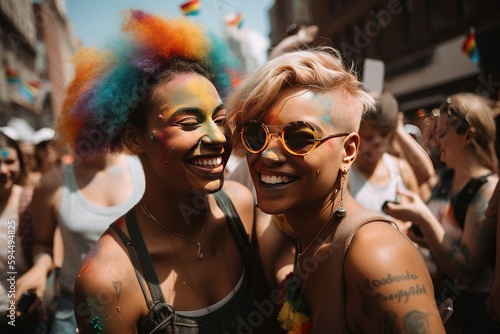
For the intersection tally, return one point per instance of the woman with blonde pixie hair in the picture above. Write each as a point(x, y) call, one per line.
point(297, 118)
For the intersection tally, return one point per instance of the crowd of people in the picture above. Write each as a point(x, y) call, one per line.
point(331, 217)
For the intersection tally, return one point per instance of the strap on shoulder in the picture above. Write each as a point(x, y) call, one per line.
point(235, 224)
point(163, 313)
point(465, 196)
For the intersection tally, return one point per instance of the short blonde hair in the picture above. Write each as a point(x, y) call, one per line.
point(320, 70)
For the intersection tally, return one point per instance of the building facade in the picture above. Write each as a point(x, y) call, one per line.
point(419, 42)
point(36, 43)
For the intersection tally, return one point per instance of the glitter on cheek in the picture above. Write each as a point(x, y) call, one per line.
point(162, 143)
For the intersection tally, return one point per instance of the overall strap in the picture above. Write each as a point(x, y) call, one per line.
point(235, 224)
point(163, 313)
point(133, 257)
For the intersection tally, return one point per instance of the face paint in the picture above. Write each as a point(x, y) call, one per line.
point(4, 153)
point(271, 155)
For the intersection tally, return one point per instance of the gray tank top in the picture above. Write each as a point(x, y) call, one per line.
point(82, 222)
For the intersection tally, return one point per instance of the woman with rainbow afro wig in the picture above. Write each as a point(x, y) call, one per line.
point(180, 260)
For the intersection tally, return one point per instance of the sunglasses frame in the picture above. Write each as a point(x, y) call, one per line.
point(281, 137)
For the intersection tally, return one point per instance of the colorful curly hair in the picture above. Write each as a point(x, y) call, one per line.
point(110, 84)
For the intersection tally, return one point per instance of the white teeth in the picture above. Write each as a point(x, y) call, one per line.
point(274, 179)
point(208, 162)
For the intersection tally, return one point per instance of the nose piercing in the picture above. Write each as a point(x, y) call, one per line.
point(270, 155)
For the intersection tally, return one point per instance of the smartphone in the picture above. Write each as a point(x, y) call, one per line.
point(27, 299)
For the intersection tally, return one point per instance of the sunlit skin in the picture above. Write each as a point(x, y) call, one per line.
point(9, 167)
point(304, 188)
point(299, 171)
point(183, 148)
point(451, 144)
point(190, 133)
point(375, 141)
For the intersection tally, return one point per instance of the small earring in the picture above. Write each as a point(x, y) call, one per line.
point(153, 135)
point(340, 212)
point(317, 171)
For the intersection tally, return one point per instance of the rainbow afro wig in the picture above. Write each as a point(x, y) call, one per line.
point(109, 84)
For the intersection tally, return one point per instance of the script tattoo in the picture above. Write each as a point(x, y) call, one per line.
point(373, 299)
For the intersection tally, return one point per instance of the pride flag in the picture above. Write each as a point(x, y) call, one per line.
point(236, 21)
point(469, 48)
point(191, 8)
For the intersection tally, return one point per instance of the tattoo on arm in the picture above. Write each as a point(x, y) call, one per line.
point(416, 323)
point(461, 253)
point(372, 299)
point(118, 289)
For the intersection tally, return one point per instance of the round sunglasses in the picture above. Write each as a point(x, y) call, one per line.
point(298, 138)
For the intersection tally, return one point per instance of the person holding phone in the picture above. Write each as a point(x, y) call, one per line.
point(456, 238)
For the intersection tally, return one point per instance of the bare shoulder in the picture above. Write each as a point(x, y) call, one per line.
point(50, 182)
point(243, 201)
point(488, 188)
point(483, 196)
point(388, 284)
point(47, 192)
point(238, 193)
point(383, 246)
point(107, 294)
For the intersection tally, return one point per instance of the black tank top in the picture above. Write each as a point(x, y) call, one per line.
point(232, 317)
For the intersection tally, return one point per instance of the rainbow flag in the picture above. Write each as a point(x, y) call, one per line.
point(236, 22)
point(469, 48)
point(191, 8)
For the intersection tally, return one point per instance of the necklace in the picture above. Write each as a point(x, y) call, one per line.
point(195, 289)
point(299, 255)
point(293, 314)
point(197, 243)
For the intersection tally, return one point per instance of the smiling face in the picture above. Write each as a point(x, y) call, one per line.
point(284, 181)
point(186, 138)
point(10, 167)
point(452, 145)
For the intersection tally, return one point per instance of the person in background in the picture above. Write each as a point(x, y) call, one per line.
point(376, 175)
point(455, 237)
point(72, 206)
point(180, 260)
point(16, 234)
point(46, 153)
point(492, 218)
point(297, 118)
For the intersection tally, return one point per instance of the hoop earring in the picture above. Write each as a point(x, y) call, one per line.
point(340, 212)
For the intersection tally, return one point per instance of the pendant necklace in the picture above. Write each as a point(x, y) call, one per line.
point(197, 243)
point(301, 253)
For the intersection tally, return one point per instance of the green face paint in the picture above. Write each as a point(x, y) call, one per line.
point(4, 153)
